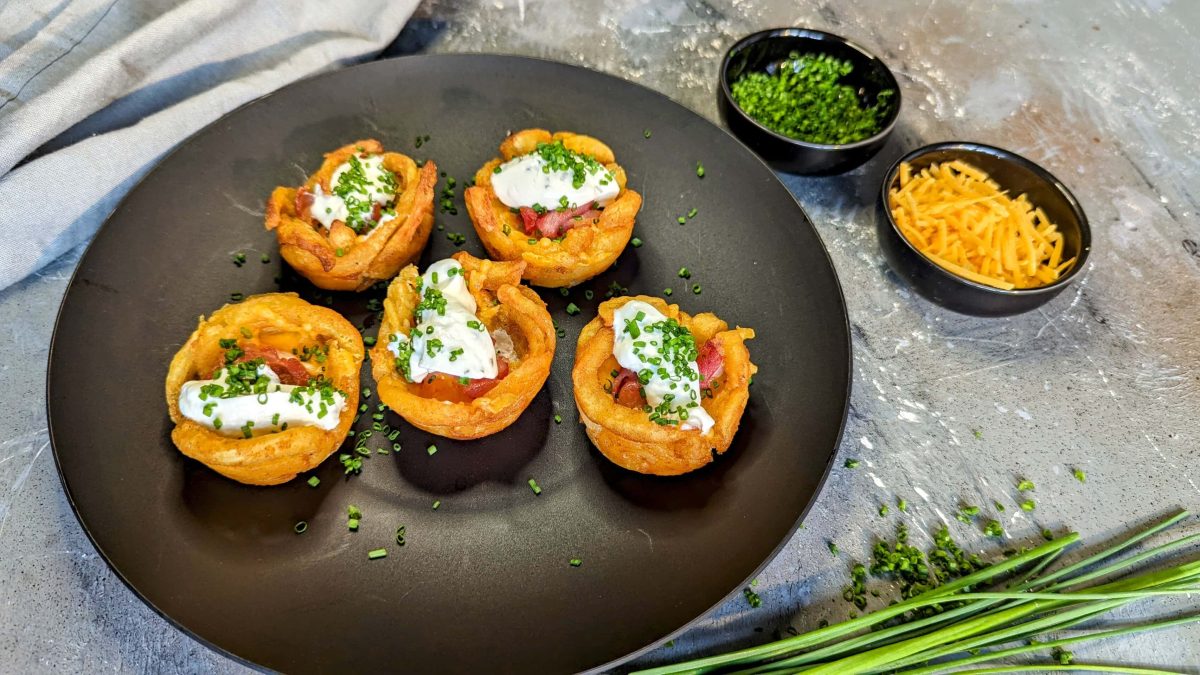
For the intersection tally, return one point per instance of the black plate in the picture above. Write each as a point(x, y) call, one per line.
point(483, 583)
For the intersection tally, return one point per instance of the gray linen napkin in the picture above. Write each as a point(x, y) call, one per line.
point(99, 90)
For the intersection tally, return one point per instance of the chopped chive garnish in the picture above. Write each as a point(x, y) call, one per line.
point(572, 308)
point(902, 504)
point(696, 289)
point(1028, 505)
point(313, 481)
point(431, 449)
point(366, 392)
point(401, 533)
point(352, 511)
point(300, 527)
point(266, 258)
point(588, 294)
point(376, 554)
point(667, 292)
point(1024, 485)
point(699, 170)
point(558, 419)
point(1080, 475)
point(685, 273)
point(851, 464)
point(692, 213)
point(883, 510)
point(575, 562)
point(564, 291)
point(833, 548)
point(635, 242)
point(534, 486)
point(681, 220)
point(352, 524)
point(436, 504)
point(369, 341)
point(646, 133)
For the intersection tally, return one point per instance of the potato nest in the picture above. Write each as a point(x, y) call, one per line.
point(585, 251)
point(439, 405)
point(338, 258)
point(627, 436)
point(278, 323)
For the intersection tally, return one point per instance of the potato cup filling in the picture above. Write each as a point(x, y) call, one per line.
point(660, 391)
point(462, 348)
point(265, 389)
point(558, 202)
point(356, 221)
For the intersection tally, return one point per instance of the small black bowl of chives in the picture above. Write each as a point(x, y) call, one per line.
point(806, 101)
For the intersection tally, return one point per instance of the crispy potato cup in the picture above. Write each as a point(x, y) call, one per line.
point(625, 435)
point(503, 304)
point(279, 321)
point(585, 251)
point(313, 251)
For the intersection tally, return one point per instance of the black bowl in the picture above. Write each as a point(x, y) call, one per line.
point(1013, 173)
point(763, 51)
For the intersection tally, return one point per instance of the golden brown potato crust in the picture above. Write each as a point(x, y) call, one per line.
point(283, 321)
point(312, 251)
point(585, 251)
point(503, 303)
point(625, 435)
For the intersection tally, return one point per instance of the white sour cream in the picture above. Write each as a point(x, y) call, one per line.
point(375, 189)
point(522, 181)
point(260, 410)
point(452, 339)
point(638, 347)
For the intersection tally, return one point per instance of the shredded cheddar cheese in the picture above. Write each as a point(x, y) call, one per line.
point(960, 219)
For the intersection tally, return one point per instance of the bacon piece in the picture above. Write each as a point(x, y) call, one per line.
point(376, 211)
point(711, 362)
point(555, 223)
point(286, 367)
point(481, 386)
point(627, 390)
point(304, 202)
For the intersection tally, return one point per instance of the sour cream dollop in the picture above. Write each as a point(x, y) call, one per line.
point(524, 181)
point(364, 182)
point(658, 350)
point(448, 336)
point(282, 406)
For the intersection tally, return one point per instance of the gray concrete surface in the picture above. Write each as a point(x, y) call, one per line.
point(1104, 378)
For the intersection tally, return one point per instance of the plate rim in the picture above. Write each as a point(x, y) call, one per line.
point(334, 73)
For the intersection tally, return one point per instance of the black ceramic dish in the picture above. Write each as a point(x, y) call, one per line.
point(763, 51)
point(483, 583)
point(1013, 173)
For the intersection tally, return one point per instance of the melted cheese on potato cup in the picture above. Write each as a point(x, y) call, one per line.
point(338, 257)
point(587, 249)
point(278, 323)
point(627, 435)
point(438, 404)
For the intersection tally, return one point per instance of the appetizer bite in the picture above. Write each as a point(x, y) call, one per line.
point(463, 348)
point(265, 388)
point(558, 202)
point(360, 218)
point(658, 391)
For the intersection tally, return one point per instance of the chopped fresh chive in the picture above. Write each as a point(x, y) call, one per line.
point(833, 548)
point(699, 170)
point(685, 273)
point(635, 242)
point(902, 504)
point(752, 598)
point(300, 527)
point(681, 220)
point(692, 213)
point(266, 258)
point(883, 510)
point(534, 486)
point(401, 534)
point(1024, 485)
point(376, 554)
point(1028, 505)
point(851, 464)
point(572, 308)
point(558, 419)
point(369, 341)
point(313, 481)
point(352, 524)
point(646, 133)
point(436, 504)
point(431, 449)
point(696, 289)
point(575, 562)
point(1080, 475)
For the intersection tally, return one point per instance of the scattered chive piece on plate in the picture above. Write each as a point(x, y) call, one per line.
point(575, 562)
point(699, 170)
point(313, 481)
point(752, 598)
point(667, 292)
point(572, 308)
point(685, 273)
point(692, 213)
point(1024, 485)
point(681, 220)
point(534, 486)
point(376, 554)
point(1028, 505)
point(352, 511)
point(436, 504)
point(646, 133)
point(401, 534)
point(696, 289)
point(833, 548)
point(1080, 475)
point(635, 242)
point(370, 342)
point(557, 419)
point(352, 524)
point(851, 464)
point(300, 527)
point(431, 449)
point(266, 258)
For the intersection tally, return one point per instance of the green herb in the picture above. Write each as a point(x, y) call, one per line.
point(376, 554)
point(833, 548)
point(313, 481)
point(667, 292)
point(1024, 485)
point(807, 98)
point(239, 258)
point(1080, 475)
point(685, 273)
point(993, 529)
point(266, 258)
point(534, 486)
point(572, 309)
point(978, 433)
point(557, 419)
point(236, 297)
point(646, 133)
point(851, 464)
point(902, 504)
point(752, 598)
point(1028, 505)
point(635, 242)
point(999, 506)
point(575, 562)
point(300, 527)
point(681, 220)
point(692, 214)
point(696, 289)
point(436, 504)
point(352, 524)
point(699, 170)
point(401, 535)
point(431, 449)
point(883, 510)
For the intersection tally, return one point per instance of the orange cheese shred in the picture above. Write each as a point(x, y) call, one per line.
point(957, 216)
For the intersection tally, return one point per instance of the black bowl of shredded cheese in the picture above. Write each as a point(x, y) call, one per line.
point(806, 101)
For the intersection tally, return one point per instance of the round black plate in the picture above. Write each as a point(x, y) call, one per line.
point(484, 583)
